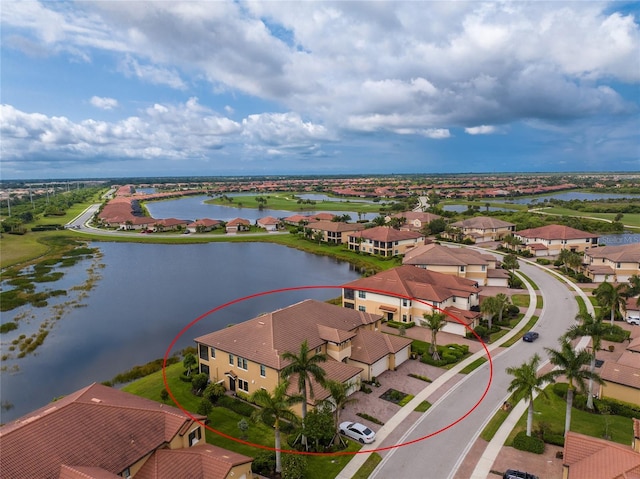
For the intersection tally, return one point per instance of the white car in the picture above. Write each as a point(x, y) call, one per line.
point(357, 431)
point(633, 320)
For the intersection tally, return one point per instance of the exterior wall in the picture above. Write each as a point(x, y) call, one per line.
point(339, 351)
point(554, 246)
point(475, 272)
point(497, 282)
point(243, 471)
point(182, 442)
point(623, 270)
point(484, 235)
point(620, 392)
point(454, 327)
point(134, 468)
point(385, 248)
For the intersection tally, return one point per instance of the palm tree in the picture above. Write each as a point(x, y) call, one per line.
point(489, 307)
point(338, 400)
point(273, 409)
point(634, 287)
point(526, 383)
point(435, 322)
point(307, 367)
point(502, 303)
point(596, 329)
point(570, 364)
point(611, 297)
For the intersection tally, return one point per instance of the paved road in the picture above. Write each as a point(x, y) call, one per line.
point(440, 456)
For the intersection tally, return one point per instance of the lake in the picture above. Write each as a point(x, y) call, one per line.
point(146, 295)
point(566, 196)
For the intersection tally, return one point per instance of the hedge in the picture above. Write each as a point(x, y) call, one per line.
point(398, 324)
point(235, 405)
point(526, 443)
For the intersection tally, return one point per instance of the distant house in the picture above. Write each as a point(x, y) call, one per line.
point(463, 262)
point(414, 220)
point(480, 229)
point(333, 231)
point(169, 224)
point(237, 224)
point(615, 263)
point(248, 356)
point(549, 240)
point(384, 241)
point(407, 293)
point(322, 216)
point(296, 220)
point(99, 432)
point(203, 225)
point(268, 223)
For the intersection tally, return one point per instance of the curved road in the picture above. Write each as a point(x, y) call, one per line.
point(440, 456)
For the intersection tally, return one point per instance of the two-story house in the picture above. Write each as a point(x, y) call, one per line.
point(333, 231)
point(414, 220)
point(248, 356)
point(617, 262)
point(480, 229)
point(549, 240)
point(463, 262)
point(384, 241)
point(407, 293)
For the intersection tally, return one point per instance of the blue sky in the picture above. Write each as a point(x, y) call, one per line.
point(116, 89)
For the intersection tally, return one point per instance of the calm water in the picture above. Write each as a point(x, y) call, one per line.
point(566, 196)
point(194, 207)
point(146, 296)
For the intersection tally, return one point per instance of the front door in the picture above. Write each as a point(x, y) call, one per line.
point(232, 384)
point(389, 316)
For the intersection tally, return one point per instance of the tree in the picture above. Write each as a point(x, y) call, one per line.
point(379, 220)
point(612, 298)
point(273, 409)
point(489, 307)
point(510, 262)
point(570, 364)
point(596, 329)
point(526, 383)
point(337, 401)
point(634, 287)
point(307, 367)
point(189, 362)
point(502, 304)
point(199, 382)
point(435, 322)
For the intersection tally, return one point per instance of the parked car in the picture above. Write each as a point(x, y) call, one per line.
point(357, 431)
point(530, 336)
point(513, 474)
point(633, 320)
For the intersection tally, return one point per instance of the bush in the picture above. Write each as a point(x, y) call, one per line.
point(515, 282)
point(213, 392)
point(619, 335)
point(526, 443)
point(204, 407)
point(294, 466)
point(398, 324)
point(560, 389)
point(235, 405)
point(513, 310)
point(543, 261)
point(554, 439)
point(199, 382)
point(264, 463)
point(618, 408)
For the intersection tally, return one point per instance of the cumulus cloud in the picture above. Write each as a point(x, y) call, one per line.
point(480, 130)
point(104, 103)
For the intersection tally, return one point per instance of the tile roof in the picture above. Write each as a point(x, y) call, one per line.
point(387, 234)
point(82, 472)
point(369, 346)
point(482, 222)
point(423, 217)
point(268, 220)
point(334, 370)
point(555, 232)
point(437, 254)
point(634, 345)
point(626, 253)
point(96, 426)
point(591, 458)
point(238, 221)
point(621, 374)
point(264, 338)
point(413, 282)
point(464, 316)
point(335, 226)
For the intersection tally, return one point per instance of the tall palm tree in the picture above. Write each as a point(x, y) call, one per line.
point(273, 409)
point(502, 303)
point(596, 329)
point(338, 400)
point(526, 383)
point(489, 307)
point(307, 367)
point(634, 287)
point(611, 297)
point(435, 322)
point(570, 364)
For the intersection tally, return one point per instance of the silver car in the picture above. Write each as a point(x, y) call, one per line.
point(357, 431)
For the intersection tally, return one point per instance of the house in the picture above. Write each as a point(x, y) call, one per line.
point(621, 381)
point(463, 262)
point(617, 263)
point(333, 231)
point(269, 223)
point(407, 293)
point(480, 229)
point(414, 220)
point(384, 241)
point(237, 224)
point(100, 432)
point(203, 225)
point(296, 220)
point(549, 240)
point(586, 457)
point(322, 217)
point(248, 356)
point(169, 224)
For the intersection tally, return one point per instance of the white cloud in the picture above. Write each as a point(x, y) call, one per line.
point(480, 130)
point(104, 103)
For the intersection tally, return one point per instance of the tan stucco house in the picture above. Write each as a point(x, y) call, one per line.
point(480, 229)
point(414, 220)
point(333, 231)
point(384, 241)
point(407, 293)
point(613, 263)
point(549, 240)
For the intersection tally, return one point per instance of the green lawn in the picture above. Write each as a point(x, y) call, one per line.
point(520, 300)
point(552, 411)
point(631, 219)
point(367, 468)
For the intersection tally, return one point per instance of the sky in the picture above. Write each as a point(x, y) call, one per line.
point(217, 88)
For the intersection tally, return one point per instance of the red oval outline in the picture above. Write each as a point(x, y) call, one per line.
point(309, 453)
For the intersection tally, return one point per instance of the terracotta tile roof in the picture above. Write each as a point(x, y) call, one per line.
point(629, 358)
point(555, 232)
point(423, 217)
point(268, 220)
point(634, 345)
point(627, 253)
point(370, 346)
point(482, 222)
point(335, 226)
point(82, 472)
point(412, 282)
point(466, 317)
point(386, 234)
point(265, 338)
point(592, 458)
point(323, 216)
point(621, 374)
point(205, 222)
point(600, 269)
point(334, 335)
point(296, 219)
point(497, 273)
point(537, 246)
point(238, 221)
point(334, 370)
point(437, 254)
point(202, 460)
point(97, 426)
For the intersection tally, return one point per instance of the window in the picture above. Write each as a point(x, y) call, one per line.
point(204, 369)
point(319, 350)
point(263, 371)
point(349, 294)
point(484, 268)
point(231, 359)
point(404, 318)
point(618, 265)
point(362, 309)
point(213, 353)
point(349, 306)
point(242, 363)
point(243, 385)
point(194, 436)
point(462, 269)
point(126, 473)
point(362, 294)
point(203, 351)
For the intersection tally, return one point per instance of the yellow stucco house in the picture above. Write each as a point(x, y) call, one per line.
point(613, 263)
point(333, 231)
point(480, 229)
point(549, 240)
point(384, 241)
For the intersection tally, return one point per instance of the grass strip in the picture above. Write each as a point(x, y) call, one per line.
point(368, 467)
point(473, 366)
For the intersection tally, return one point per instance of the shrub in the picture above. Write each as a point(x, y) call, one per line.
point(543, 261)
point(264, 463)
point(374, 420)
point(235, 405)
point(619, 335)
point(398, 324)
point(513, 310)
point(515, 282)
point(213, 392)
point(204, 407)
point(554, 439)
point(294, 466)
point(199, 382)
point(526, 443)
point(365, 389)
point(560, 389)
point(618, 408)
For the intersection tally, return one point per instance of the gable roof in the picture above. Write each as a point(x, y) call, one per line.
point(555, 232)
point(592, 458)
point(335, 226)
point(369, 346)
point(625, 253)
point(437, 254)
point(264, 338)
point(412, 282)
point(386, 234)
point(268, 220)
point(238, 222)
point(334, 371)
point(97, 426)
point(482, 222)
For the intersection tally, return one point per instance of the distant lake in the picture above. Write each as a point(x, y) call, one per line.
point(194, 207)
point(565, 196)
point(146, 295)
point(461, 208)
